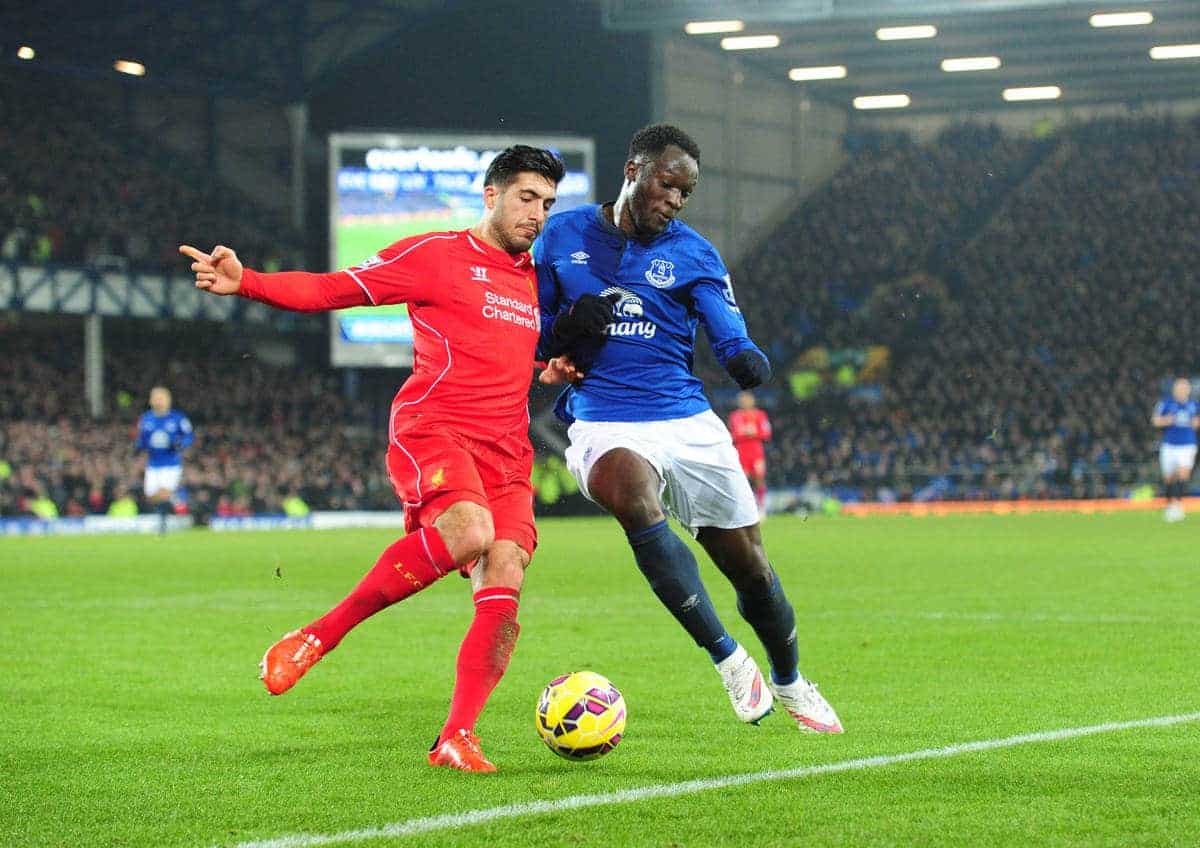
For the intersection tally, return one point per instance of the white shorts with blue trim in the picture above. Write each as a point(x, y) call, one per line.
point(701, 481)
point(163, 477)
point(1175, 458)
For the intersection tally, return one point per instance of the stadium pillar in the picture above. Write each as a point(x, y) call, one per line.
point(93, 364)
point(297, 116)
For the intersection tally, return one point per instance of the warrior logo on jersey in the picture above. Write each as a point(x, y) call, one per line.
point(629, 310)
point(661, 273)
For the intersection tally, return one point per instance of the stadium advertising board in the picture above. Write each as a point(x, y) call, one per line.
point(387, 186)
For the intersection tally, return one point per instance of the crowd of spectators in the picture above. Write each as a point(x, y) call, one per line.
point(77, 189)
point(1033, 296)
point(263, 432)
point(1054, 328)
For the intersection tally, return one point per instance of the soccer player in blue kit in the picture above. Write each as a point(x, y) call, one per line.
point(622, 287)
point(1177, 416)
point(163, 433)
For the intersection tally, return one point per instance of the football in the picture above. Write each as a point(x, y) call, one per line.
point(580, 716)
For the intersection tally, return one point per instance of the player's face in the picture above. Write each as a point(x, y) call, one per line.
point(661, 188)
point(746, 400)
point(160, 401)
point(517, 212)
point(1181, 390)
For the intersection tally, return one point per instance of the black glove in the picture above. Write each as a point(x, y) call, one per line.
point(749, 368)
point(586, 318)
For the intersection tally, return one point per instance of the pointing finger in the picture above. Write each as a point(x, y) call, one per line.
point(198, 255)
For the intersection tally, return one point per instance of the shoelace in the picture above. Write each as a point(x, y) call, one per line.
point(734, 686)
point(307, 650)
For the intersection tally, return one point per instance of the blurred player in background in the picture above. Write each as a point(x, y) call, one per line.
point(644, 438)
point(164, 434)
point(459, 455)
point(750, 427)
point(1178, 416)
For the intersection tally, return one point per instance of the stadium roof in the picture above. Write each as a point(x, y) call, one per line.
point(1044, 43)
point(260, 49)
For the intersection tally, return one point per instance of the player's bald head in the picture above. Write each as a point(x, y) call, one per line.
point(160, 399)
point(1181, 389)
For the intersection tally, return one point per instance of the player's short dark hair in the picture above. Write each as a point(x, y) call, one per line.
point(656, 138)
point(522, 159)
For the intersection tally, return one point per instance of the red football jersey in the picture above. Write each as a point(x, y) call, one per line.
point(749, 425)
point(475, 325)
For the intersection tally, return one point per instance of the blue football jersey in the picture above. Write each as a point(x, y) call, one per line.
point(164, 437)
point(663, 290)
point(1180, 431)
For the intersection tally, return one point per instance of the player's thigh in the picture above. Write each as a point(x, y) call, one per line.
point(505, 474)
point(619, 466)
point(430, 473)
point(706, 486)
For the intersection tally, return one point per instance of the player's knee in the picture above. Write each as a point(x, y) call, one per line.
point(467, 530)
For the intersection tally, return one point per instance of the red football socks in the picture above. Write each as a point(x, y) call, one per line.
point(405, 568)
point(483, 657)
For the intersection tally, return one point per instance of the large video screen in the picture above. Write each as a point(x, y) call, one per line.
point(386, 186)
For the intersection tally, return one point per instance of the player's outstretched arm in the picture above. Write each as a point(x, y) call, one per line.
point(219, 272)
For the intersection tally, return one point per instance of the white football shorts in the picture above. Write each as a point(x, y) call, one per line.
point(701, 481)
point(163, 477)
point(1175, 458)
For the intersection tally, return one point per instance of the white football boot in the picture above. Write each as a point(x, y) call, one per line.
point(748, 691)
point(807, 706)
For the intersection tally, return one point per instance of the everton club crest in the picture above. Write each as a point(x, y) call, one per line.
point(661, 273)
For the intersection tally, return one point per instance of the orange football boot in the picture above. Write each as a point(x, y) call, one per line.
point(460, 751)
point(288, 660)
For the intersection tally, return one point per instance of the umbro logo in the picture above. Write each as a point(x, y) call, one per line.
point(579, 258)
point(479, 272)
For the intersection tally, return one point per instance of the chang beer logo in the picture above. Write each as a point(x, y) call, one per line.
point(661, 273)
point(629, 312)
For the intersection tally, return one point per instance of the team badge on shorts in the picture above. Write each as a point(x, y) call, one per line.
point(661, 273)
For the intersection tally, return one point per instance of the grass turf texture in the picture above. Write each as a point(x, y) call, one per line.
point(132, 713)
point(359, 240)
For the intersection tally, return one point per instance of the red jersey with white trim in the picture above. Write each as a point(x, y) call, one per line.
point(749, 425)
point(475, 325)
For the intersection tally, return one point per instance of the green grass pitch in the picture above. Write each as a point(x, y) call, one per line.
point(132, 715)
point(357, 241)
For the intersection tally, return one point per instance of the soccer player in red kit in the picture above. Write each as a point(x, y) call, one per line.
point(750, 427)
point(459, 455)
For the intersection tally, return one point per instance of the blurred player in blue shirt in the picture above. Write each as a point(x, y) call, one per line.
point(1177, 416)
point(622, 289)
point(163, 433)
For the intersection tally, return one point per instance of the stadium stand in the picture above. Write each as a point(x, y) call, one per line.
point(987, 316)
point(1029, 320)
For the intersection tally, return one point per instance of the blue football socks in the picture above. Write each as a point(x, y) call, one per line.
point(774, 620)
point(670, 567)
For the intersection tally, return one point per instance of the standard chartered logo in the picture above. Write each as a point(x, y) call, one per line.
point(497, 307)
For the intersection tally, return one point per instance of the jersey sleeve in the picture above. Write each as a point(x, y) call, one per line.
point(399, 273)
point(764, 427)
point(723, 322)
point(140, 443)
point(186, 434)
point(549, 292)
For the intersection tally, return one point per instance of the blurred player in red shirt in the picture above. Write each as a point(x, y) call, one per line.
point(750, 427)
point(459, 455)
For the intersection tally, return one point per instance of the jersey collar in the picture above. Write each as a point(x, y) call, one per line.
point(519, 260)
point(612, 229)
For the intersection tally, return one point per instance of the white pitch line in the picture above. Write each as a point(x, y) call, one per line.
point(451, 821)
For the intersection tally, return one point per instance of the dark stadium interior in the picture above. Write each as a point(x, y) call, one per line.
point(984, 312)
